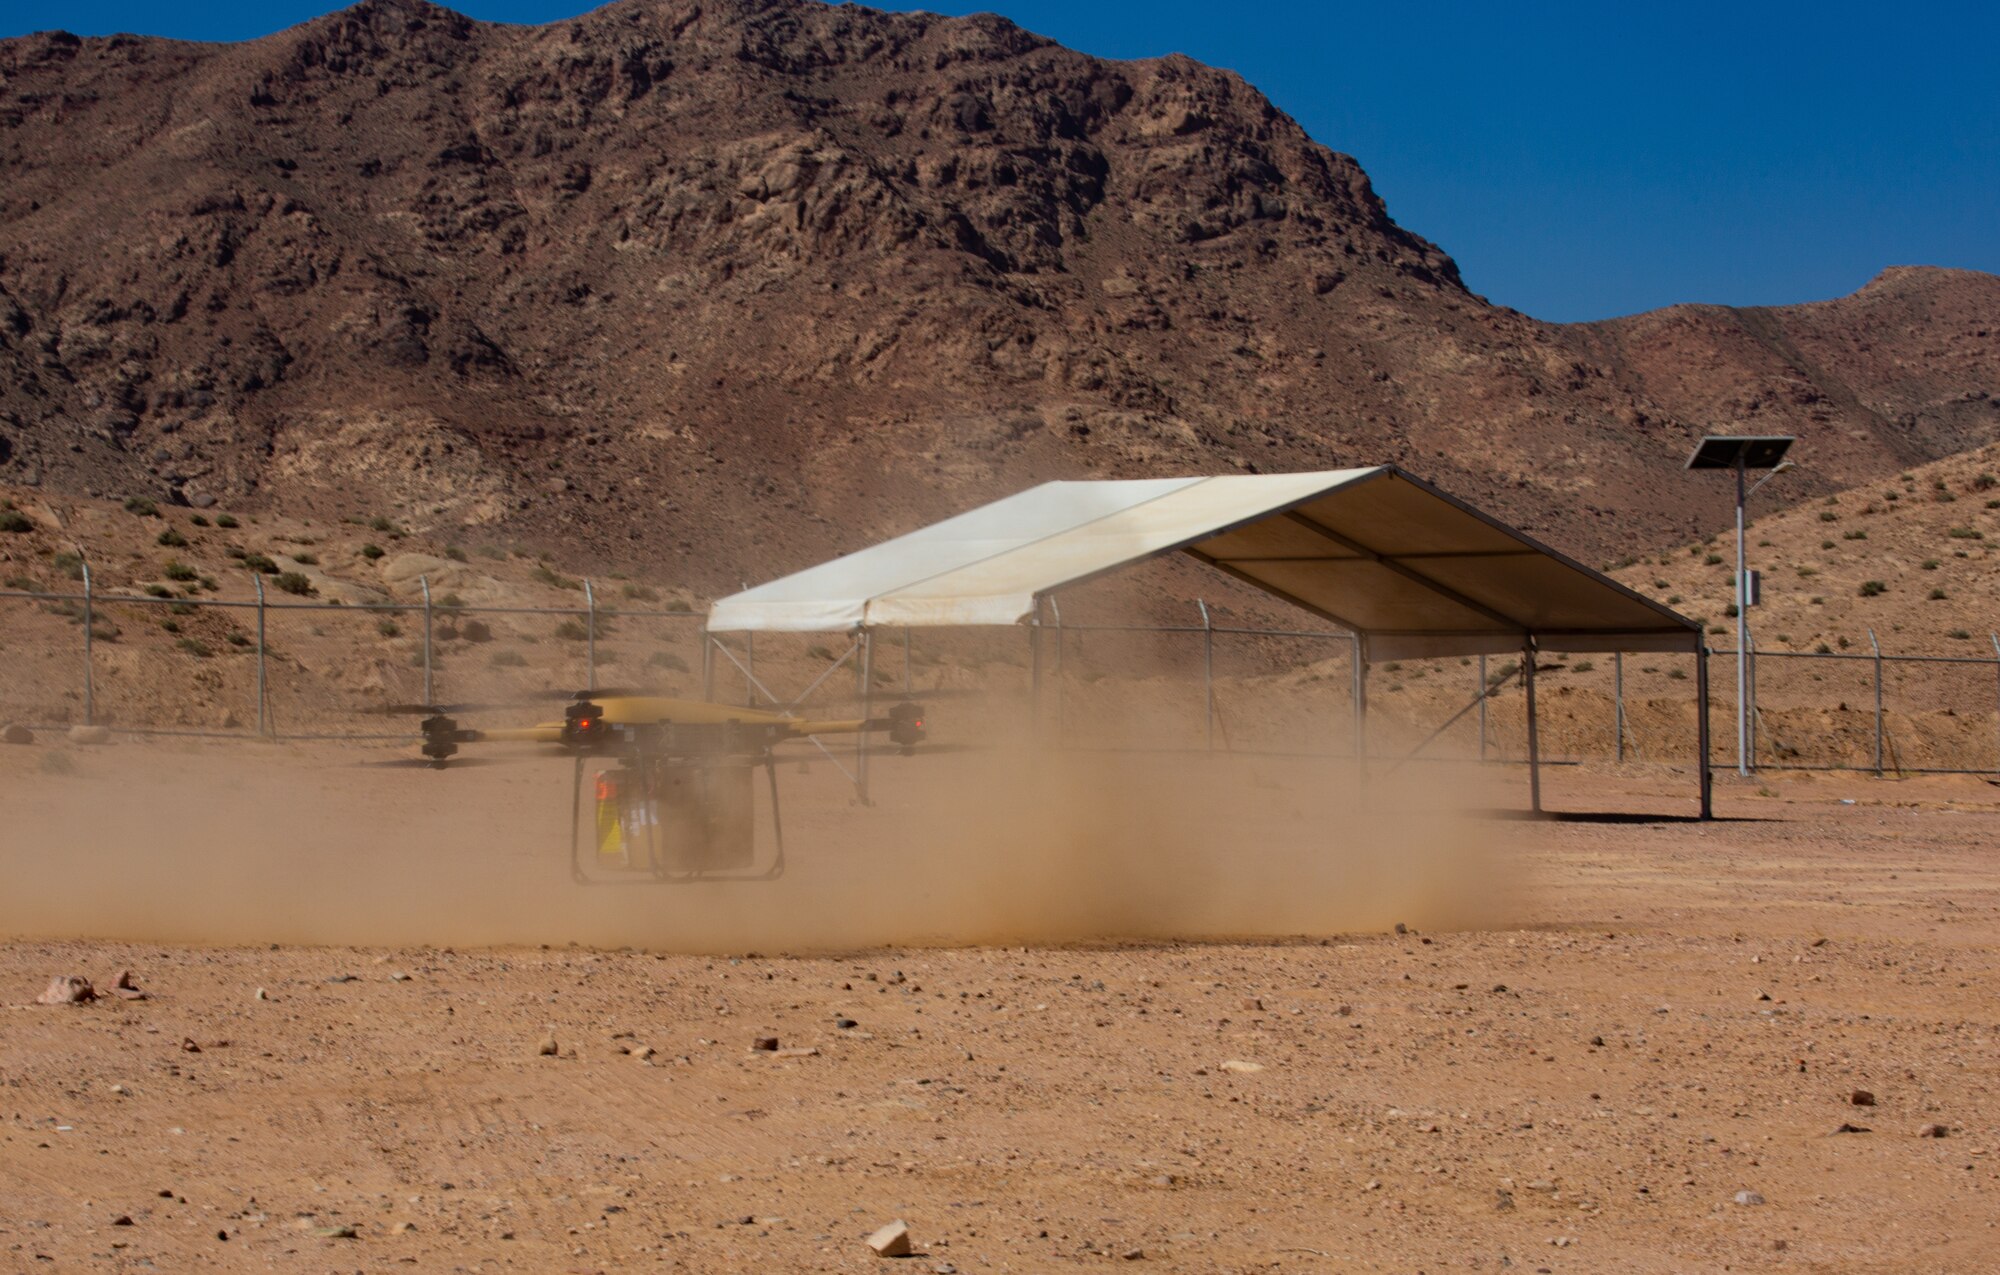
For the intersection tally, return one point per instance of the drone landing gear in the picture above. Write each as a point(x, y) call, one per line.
point(672, 821)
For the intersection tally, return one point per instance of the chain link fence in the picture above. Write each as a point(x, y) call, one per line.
point(281, 667)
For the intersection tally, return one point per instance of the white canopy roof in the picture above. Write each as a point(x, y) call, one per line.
point(1373, 550)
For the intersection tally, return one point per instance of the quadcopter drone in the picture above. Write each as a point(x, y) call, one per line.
point(671, 780)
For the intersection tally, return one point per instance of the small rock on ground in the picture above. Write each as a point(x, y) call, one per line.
point(892, 1240)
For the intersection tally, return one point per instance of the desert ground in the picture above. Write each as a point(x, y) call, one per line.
point(1064, 1013)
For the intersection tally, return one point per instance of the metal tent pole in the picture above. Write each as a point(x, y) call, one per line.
point(1701, 730)
point(861, 736)
point(1534, 739)
point(1618, 698)
point(1482, 707)
point(1360, 711)
point(1035, 674)
point(1207, 671)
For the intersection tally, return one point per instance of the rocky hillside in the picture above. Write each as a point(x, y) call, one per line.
point(722, 286)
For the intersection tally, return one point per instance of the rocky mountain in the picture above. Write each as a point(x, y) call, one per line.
point(728, 285)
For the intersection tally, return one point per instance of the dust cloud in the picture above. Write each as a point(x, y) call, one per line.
point(227, 844)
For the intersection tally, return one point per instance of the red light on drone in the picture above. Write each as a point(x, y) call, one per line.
point(606, 790)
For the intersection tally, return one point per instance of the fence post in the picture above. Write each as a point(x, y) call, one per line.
point(1995, 639)
point(589, 636)
point(1207, 671)
point(1618, 697)
point(425, 583)
point(1878, 701)
point(263, 713)
point(707, 663)
point(89, 623)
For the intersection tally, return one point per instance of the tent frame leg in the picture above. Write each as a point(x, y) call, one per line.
point(1360, 713)
point(1035, 675)
point(1707, 771)
point(1534, 735)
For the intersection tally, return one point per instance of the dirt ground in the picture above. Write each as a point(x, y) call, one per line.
point(1595, 1035)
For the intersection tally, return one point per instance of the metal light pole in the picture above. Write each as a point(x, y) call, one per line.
point(1743, 453)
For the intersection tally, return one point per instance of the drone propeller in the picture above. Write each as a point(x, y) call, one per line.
point(425, 763)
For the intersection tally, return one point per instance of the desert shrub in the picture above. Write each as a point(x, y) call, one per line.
point(1960, 634)
point(179, 608)
point(553, 578)
point(306, 559)
point(1712, 560)
point(13, 520)
point(1985, 482)
point(227, 522)
point(199, 520)
point(104, 630)
point(379, 523)
point(507, 659)
point(171, 626)
point(158, 591)
point(455, 553)
point(1965, 533)
point(142, 506)
point(68, 564)
point(1873, 588)
point(1937, 595)
point(1930, 564)
point(476, 631)
point(1584, 666)
point(667, 660)
point(294, 582)
point(1823, 649)
point(678, 605)
point(1827, 515)
point(640, 593)
point(371, 552)
point(1678, 675)
point(195, 647)
point(178, 571)
point(388, 628)
point(571, 630)
point(259, 563)
point(1856, 534)
point(170, 539)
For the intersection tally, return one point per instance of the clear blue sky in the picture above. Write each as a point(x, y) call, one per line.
point(1579, 160)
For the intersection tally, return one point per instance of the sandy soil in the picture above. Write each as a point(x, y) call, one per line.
point(1595, 1035)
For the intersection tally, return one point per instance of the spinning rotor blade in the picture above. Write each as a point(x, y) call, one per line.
point(444, 710)
point(425, 763)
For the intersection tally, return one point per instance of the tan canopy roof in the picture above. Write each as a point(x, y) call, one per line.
point(1414, 571)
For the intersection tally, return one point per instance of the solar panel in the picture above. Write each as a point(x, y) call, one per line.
point(1754, 451)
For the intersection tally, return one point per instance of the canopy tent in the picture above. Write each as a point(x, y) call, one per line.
point(1412, 572)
